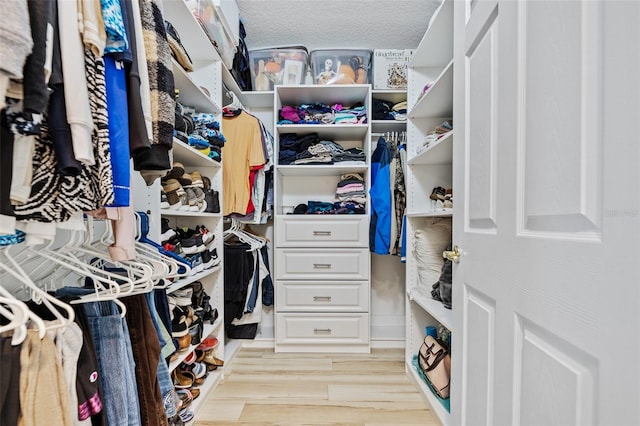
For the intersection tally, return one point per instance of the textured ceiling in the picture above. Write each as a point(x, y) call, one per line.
point(326, 24)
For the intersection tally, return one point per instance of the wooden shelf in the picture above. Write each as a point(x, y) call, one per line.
point(436, 406)
point(439, 152)
point(188, 155)
point(433, 307)
point(438, 100)
point(335, 132)
point(319, 170)
point(436, 47)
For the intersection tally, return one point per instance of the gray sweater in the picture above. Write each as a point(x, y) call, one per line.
point(15, 37)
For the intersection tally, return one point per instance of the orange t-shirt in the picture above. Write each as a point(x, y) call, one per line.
point(242, 151)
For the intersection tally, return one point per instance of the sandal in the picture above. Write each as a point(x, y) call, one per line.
point(183, 379)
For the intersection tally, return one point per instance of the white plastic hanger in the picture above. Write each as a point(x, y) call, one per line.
point(38, 295)
point(18, 314)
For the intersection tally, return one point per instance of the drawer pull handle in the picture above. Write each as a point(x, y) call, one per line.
point(321, 266)
point(327, 233)
point(322, 298)
point(322, 330)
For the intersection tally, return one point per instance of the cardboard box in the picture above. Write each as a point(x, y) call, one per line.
point(390, 68)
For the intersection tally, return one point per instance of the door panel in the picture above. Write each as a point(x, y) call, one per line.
point(555, 382)
point(478, 358)
point(481, 71)
point(548, 274)
point(560, 115)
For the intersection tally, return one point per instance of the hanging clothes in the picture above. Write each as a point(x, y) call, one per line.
point(243, 153)
point(380, 225)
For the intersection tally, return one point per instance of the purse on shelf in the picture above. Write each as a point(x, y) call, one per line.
point(435, 362)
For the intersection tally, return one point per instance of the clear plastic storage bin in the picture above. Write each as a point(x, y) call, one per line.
point(279, 65)
point(347, 66)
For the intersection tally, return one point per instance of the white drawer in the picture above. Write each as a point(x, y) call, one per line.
point(329, 329)
point(322, 264)
point(322, 296)
point(325, 231)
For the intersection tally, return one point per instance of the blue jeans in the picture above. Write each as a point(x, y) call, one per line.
point(115, 359)
point(116, 364)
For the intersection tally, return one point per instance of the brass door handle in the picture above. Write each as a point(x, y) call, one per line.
point(452, 255)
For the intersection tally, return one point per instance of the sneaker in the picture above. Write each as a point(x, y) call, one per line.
point(214, 257)
point(166, 230)
point(196, 263)
point(182, 297)
point(199, 197)
point(207, 235)
point(191, 241)
point(179, 327)
point(207, 259)
point(186, 415)
point(164, 201)
point(211, 197)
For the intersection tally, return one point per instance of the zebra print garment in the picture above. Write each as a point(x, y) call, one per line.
point(54, 198)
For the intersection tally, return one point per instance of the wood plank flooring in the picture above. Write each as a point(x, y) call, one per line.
point(261, 387)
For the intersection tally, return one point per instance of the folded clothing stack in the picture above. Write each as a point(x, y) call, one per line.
point(319, 113)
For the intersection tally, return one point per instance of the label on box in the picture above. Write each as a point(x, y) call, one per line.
point(390, 68)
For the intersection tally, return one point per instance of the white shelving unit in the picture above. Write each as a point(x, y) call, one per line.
point(321, 262)
point(393, 96)
point(430, 167)
point(202, 90)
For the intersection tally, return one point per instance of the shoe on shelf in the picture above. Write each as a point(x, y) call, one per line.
point(196, 263)
point(192, 200)
point(214, 257)
point(208, 344)
point(170, 185)
point(164, 201)
point(167, 231)
point(438, 193)
point(196, 179)
point(182, 297)
point(183, 379)
point(212, 360)
point(191, 240)
point(185, 396)
point(207, 260)
point(211, 197)
point(186, 415)
point(207, 235)
point(179, 326)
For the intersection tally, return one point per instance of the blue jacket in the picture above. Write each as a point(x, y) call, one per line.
point(380, 194)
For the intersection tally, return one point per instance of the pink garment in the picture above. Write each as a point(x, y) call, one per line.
point(124, 233)
point(290, 113)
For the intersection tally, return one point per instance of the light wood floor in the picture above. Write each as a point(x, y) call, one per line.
point(261, 387)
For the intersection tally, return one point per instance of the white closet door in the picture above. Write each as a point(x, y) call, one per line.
point(547, 213)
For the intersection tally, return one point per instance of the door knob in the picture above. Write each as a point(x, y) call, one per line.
point(452, 255)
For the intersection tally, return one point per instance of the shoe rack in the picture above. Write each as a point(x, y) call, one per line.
point(428, 176)
point(200, 89)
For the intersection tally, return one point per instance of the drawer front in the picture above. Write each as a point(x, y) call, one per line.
point(322, 296)
point(328, 329)
point(328, 231)
point(322, 264)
